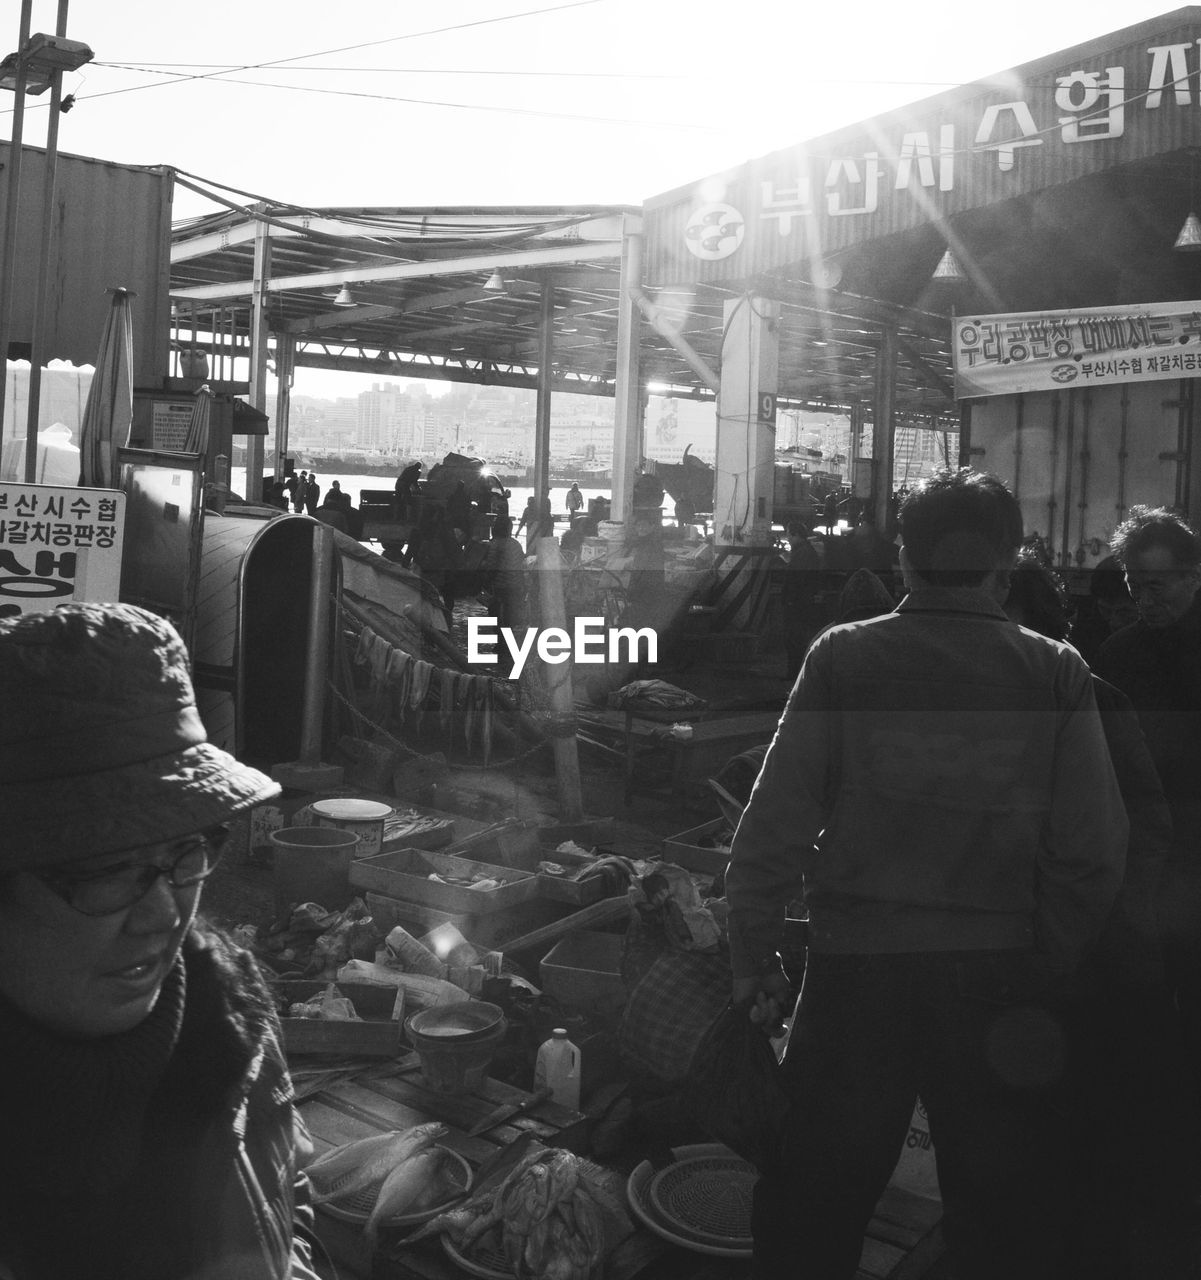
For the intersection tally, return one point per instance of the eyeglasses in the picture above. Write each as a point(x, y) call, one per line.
point(118, 887)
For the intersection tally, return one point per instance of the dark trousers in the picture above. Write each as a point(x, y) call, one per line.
point(971, 1033)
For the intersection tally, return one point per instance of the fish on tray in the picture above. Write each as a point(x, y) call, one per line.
point(352, 1166)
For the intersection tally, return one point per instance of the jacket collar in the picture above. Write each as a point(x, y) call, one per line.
point(930, 599)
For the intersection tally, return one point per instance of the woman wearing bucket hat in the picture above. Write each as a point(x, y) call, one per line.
point(149, 1132)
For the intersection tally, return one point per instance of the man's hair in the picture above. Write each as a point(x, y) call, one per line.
point(958, 526)
point(1147, 527)
point(502, 527)
point(1107, 581)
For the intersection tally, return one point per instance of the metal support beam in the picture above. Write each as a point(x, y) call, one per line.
point(546, 358)
point(37, 353)
point(483, 263)
point(666, 330)
point(627, 421)
point(285, 366)
point(884, 430)
point(259, 332)
point(12, 208)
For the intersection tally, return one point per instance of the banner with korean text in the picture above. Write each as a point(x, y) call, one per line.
point(1044, 350)
point(58, 544)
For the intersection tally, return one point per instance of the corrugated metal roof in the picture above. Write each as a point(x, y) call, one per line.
point(420, 307)
point(112, 228)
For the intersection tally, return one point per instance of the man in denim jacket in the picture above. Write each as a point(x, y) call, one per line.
point(940, 779)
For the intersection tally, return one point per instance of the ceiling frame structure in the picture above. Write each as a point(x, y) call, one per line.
point(418, 275)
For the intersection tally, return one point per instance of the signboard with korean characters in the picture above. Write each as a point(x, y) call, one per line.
point(1000, 355)
point(58, 544)
point(1108, 103)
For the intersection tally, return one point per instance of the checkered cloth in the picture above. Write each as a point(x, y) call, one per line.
point(669, 1010)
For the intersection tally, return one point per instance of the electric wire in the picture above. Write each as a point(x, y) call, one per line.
point(365, 44)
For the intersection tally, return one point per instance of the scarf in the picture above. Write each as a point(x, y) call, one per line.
point(102, 1137)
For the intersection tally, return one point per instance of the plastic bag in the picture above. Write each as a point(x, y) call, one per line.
point(736, 1089)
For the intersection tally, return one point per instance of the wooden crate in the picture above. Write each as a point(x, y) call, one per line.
point(377, 1035)
point(685, 849)
point(579, 893)
point(405, 874)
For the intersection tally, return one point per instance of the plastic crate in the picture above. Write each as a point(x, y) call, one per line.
point(584, 969)
point(405, 874)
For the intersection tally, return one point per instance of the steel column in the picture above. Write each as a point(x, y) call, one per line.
point(627, 418)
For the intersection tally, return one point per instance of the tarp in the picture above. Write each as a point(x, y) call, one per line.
point(108, 414)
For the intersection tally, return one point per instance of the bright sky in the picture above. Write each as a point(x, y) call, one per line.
point(508, 102)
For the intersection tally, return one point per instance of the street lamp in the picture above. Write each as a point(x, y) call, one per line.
point(42, 57)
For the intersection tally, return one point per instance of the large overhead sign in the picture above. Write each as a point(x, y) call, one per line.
point(1048, 350)
point(1130, 95)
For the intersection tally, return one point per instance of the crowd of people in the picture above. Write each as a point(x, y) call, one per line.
point(1000, 853)
point(997, 841)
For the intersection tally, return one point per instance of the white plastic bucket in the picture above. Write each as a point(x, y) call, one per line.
point(363, 818)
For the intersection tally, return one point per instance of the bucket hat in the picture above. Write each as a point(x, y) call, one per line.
point(102, 748)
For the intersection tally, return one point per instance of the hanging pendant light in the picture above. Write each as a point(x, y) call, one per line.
point(948, 270)
point(1189, 239)
point(345, 298)
point(495, 283)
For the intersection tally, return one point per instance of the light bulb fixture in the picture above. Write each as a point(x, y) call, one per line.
point(948, 270)
point(42, 58)
point(495, 283)
point(1189, 239)
point(345, 298)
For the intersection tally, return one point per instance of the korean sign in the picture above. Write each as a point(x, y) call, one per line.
point(58, 544)
point(1084, 110)
point(1093, 347)
point(171, 421)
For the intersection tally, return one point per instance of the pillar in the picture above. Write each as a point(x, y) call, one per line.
point(259, 331)
point(628, 416)
point(884, 431)
point(746, 442)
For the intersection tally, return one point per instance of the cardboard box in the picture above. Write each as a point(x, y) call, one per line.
point(405, 874)
point(686, 849)
point(583, 970)
point(377, 1035)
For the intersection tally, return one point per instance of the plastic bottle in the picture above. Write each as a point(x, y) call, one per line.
point(558, 1069)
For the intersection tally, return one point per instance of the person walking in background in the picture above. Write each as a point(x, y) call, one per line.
point(298, 493)
point(505, 568)
point(149, 1125)
point(330, 512)
point(406, 493)
point(530, 522)
point(312, 491)
point(799, 591)
point(439, 556)
point(575, 499)
point(1156, 662)
point(941, 782)
point(830, 512)
point(685, 513)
